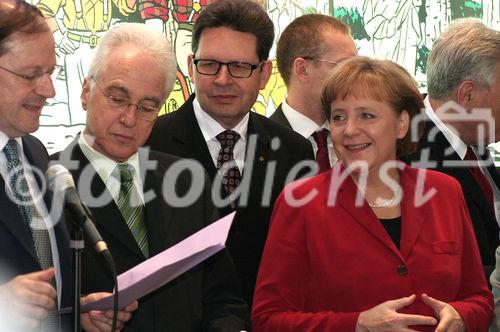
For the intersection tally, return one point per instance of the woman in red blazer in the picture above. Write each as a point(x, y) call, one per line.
point(373, 244)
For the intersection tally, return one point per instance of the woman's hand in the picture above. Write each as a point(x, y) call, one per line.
point(385, 317)
point(449, 318)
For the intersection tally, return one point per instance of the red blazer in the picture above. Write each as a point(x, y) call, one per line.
point(323, 265)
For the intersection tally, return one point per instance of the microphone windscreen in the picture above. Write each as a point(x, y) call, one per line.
point(59, 178)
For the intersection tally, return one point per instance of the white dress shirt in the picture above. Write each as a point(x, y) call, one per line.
point(307, 127)
point(460, 148)
point(210, 128)
point(105, 167)
point(455, 141)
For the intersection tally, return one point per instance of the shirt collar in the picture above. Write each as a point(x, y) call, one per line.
point(301, 123)
point(211, 128)
point(456, 143)
point(104, 165)
point(4, 139)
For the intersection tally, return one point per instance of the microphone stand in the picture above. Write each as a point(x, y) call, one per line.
point(77, 245)
point(106, 254)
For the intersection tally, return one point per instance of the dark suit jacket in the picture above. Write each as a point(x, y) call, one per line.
point(325, 263)
point(178, 133)
point(17, 251)
point(205, 297)
point(279, 117)
point(484, 222)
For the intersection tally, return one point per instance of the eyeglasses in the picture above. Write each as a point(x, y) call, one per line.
point(321, 60)
point(37, 76)
point(121, 103)
point(237, 69)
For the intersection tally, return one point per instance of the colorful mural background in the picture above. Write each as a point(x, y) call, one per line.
point(400, 30)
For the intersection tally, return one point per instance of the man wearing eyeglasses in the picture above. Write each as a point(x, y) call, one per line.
point(126, 188)
point(247, 156)
point(35, 259)
point(308, 49)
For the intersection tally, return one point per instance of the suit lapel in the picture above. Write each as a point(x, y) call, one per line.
point(363, 214)
point(158, 213)
point(39, 166)
point(12, 219)
point(257, 155)
point(106, 214)
point(435, 149)
point(190, 140)
point(11, 216)
point(279, 117)
point(412, 217)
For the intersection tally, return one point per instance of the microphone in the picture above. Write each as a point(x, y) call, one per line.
point(60, 180)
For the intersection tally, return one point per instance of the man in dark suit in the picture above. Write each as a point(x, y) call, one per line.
point(308, 48)
point(35, 260)
point(127, 196)
point(464, 79)
point(247, 156)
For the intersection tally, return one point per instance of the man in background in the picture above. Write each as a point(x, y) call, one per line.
point(463, 103)
point(309, 47)
point(247, 156)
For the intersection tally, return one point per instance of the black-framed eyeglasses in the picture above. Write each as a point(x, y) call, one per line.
point(122, 103)
point(37, 76)
point(237, 69)
point(321, 60)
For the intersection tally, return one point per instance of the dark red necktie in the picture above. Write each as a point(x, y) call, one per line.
point(226, 166)
point(479, 176)
point(322, 159)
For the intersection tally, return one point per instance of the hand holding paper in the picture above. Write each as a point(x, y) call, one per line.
point(164, 267)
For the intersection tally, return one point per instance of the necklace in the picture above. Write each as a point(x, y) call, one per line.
point(384, 203)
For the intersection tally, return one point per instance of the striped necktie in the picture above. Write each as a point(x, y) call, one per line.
point(131, 208)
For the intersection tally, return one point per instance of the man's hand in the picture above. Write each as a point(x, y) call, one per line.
point(385, 317)
point(449, 318)
point(100, 321)
point(27, 299)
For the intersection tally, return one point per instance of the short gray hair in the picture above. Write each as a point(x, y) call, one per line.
point(151, 41)
point(467, 50)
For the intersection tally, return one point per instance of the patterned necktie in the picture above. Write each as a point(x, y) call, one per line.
point(322, 159)
point(34, 222)
point(226, 165)
point(131, 208)
point(23, 199)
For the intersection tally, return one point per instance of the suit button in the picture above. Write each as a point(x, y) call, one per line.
point(402, 270)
